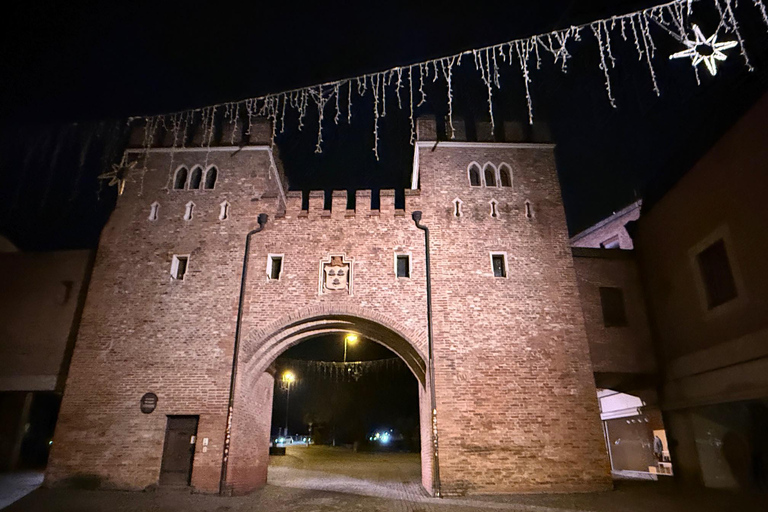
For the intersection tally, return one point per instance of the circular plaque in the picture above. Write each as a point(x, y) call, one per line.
point(148, 402)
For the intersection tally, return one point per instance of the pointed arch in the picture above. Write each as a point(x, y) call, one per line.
point(180, 178)
point(489, 174)
point(505, 175)
point(195, 177)
point(210, 177)
point(473, 173)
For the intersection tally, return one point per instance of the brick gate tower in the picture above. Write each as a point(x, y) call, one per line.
point(514, 393)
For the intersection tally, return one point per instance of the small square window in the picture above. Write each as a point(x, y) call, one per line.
point(179, 266)
point(716, 274)
point(499, 264)
point(403, 265)
point(275, 266)
point(612, 302)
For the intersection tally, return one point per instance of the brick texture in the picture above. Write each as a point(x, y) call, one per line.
point(516, 403)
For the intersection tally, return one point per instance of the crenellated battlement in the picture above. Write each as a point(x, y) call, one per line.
point(338, 204)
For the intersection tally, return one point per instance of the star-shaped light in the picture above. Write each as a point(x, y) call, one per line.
point(117, 175)
point(706, 50)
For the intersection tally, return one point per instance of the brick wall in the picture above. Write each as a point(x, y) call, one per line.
point(515, 394)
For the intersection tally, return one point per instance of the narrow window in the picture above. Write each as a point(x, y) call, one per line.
point(611, 243)
point(188, 212)
point(494, 210)
point(612, 302)
point(457, 207)
point(179, 266)
point(153, 209)
point(274, 266)
point(490, 175)
point(716, 274)
point(505, 175)
point(224, 212)
point(210, 178)
point(180, 179)
point(195, 178)
point(474, 175)
point(499, 264)
point(528, 210)
point(403, 265)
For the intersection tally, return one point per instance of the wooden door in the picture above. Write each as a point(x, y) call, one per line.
point(179, 450)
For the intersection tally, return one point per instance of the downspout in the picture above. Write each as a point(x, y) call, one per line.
point(262, 220)
point(435, 459)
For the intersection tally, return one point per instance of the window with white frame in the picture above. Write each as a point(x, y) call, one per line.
point(274, 267)
point(505, 175)
point(489, 173)
point(474, 175)
point(179, 265)
point(499, 264)
point(457, 204)
point(403, 265)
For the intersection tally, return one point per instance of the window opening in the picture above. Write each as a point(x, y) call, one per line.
point(153, 209)
point(611, 243)
point(180, 180)
point(490, 176)
point(179, 266)
point(494, 211)
point(499, 265)
point(188, 212)
point(474, 175)
point(195, 177)
point(528, 210)
point(274, 266)
point(224, 213)
point(612, 302)
point(403, 264)
point(457, 207)
point(716, 274)
point(505, 175)
point(210, 178)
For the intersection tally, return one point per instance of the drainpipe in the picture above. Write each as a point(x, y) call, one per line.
point(262, 220)
point(435, 460)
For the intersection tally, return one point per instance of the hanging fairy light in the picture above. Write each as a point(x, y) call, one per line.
point(524, 53)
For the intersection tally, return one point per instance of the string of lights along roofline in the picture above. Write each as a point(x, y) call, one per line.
point(404, 85)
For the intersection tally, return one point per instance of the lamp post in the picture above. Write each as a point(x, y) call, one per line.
point(350, 339)
point(286, 380)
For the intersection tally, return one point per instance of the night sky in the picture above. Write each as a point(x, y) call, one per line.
point(70, 74)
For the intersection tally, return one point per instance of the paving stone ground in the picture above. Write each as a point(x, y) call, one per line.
point(334, 479)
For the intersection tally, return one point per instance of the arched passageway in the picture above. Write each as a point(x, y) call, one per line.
point(252, 411)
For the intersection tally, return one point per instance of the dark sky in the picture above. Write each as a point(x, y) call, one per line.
point(62, 62)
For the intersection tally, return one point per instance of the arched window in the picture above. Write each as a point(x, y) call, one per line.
point(490, 175)
point(474, 175)
point(180, 179)
point(505, 175)
point(210, 177)
point(195, 178)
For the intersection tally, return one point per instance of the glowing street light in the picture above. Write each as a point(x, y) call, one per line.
point(286, 380)
point(349, 339)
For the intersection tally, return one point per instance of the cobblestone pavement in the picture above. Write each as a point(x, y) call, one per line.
point(327, 480)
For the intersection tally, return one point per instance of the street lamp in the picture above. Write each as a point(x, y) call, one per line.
point(350, 339)
point(286, 380)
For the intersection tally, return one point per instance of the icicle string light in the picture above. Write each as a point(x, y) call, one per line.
point(671, 17)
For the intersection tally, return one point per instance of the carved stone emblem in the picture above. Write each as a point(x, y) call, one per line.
point(335, 275)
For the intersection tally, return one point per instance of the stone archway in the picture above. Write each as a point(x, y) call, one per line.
point(252, 411)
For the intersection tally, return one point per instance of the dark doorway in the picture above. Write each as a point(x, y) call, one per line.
point(179, 450)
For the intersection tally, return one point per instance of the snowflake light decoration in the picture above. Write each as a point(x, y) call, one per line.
point(117, 175)
point(703, 49)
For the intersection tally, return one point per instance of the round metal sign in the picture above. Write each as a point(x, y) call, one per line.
point(148, 403)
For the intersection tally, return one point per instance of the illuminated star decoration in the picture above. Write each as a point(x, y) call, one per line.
point(117, 175)
point(706, 50)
